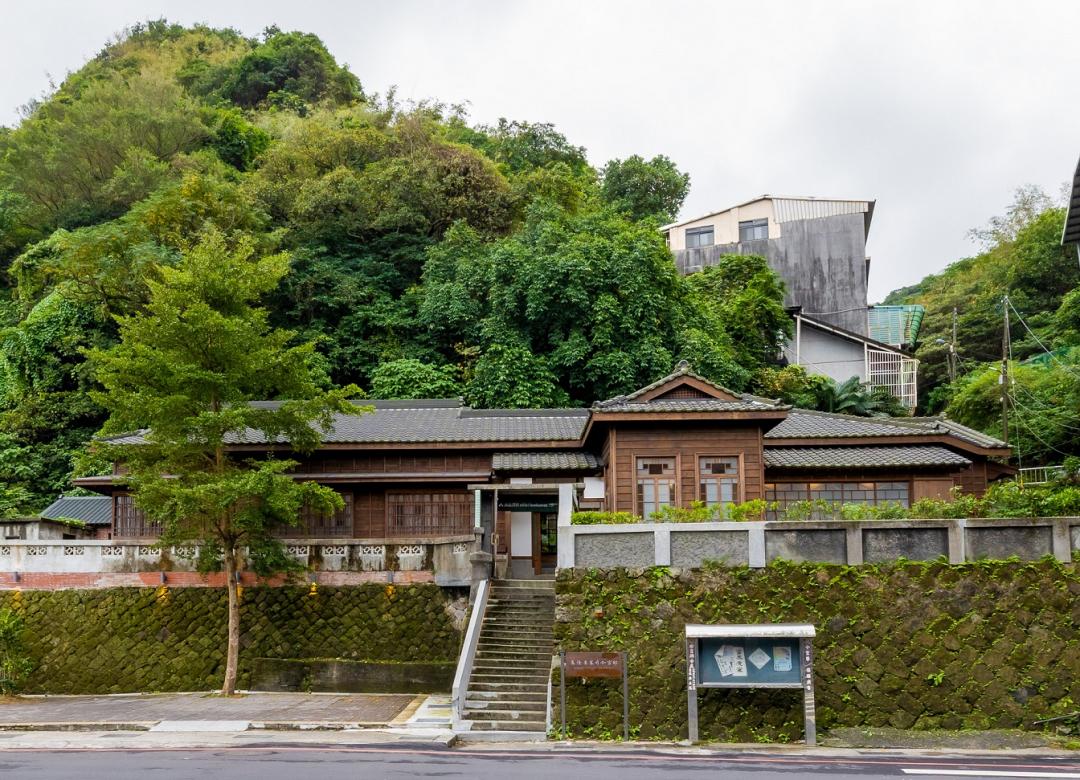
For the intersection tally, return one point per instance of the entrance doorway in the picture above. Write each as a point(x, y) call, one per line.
point(545, 542)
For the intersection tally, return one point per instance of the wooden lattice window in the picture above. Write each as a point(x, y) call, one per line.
point(129, 522)
point(428, 514)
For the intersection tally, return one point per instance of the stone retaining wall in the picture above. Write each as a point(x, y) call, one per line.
point(123, 640)
point(908, 645)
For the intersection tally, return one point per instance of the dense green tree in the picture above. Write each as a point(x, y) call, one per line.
point(290, 70)
point(593, 297)
point(645, 188)
point(1023, 259)
point(186, 371)
point(46, 415)
point(1044, 406)
point(412, 378)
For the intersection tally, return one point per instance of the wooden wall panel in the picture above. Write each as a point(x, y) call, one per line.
point(686, 444)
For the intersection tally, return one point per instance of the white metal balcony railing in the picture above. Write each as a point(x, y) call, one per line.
point(1038, 475)
point(897, 373)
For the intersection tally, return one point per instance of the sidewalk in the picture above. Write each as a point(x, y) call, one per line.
point(190, 711)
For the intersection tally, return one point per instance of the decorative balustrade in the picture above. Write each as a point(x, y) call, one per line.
point(447, 558)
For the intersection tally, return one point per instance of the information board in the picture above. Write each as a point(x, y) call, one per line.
point(767, 655)
point(748, 662)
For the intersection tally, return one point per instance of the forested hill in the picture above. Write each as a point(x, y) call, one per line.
point(430, 256)
point(1023, 259)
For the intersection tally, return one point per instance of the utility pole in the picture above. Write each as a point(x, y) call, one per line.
point(1003, 380)
point(953, 357)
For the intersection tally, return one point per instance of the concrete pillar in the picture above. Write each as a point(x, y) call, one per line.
point(481, 570)
point(662, 546)
point(853, 539)
point(565, 551)
point(957, 542)
point(756, 545)
point(1062, 541)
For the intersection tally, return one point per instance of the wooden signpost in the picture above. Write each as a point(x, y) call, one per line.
point(594, 665)
point(768, 655)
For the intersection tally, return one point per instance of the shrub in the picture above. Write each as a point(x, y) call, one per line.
point(697, 512)
point(15, 665)
point(604, 518)
point(750, 510)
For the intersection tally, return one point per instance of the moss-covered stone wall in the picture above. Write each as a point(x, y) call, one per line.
point(146, 639)
point(909, 645)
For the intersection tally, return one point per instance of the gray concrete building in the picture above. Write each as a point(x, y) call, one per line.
point(818, 247)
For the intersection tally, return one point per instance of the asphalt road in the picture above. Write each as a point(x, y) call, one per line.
point(362, 763)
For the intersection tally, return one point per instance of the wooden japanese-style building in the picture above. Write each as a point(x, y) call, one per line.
point(431, 469)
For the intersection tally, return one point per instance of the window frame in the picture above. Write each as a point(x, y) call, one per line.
point(676, 492)
point(844, 483)
point(753, 224)
point(740, 478)
point(699, 231)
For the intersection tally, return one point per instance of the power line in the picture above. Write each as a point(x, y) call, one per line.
point(1019, 419)
point(1023, 322)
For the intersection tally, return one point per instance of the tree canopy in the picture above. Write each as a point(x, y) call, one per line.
point(418, 253)
point(190, 372)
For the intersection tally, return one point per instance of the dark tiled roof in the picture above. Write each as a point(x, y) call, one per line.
point(544, 461)
point(631, 402)
point(92, 510)
point(861, 457)
point(689, 405)
point(805, 424)
point(956, 429)
point(436, 421)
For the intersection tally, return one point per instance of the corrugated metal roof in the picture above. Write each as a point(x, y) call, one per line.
point(544, 461)
point(788, 208)
point(92, 510)
point(791, 209)
point(861, 457)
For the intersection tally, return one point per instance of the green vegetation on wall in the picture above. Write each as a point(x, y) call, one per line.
point(908, 645)
point(165, 639)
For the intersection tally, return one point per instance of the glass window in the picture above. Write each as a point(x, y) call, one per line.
point(753, 230)
point(718, 481)
point(655, 484)
point(835, 493)
point(700, 236)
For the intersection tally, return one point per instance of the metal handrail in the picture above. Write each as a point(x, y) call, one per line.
point(468, 653)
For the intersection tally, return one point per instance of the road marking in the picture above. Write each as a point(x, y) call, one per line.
point(986, 773)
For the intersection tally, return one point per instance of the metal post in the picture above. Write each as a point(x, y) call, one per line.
point(691, 690)
point(562, 690)
point(625, 702)
point(806, 653)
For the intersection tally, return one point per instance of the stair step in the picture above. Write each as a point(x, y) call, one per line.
point(492, 652)
point(530, 726)
point(535, 713)
point(510, 674)
point(488, 696)
point(480, 686)
point(512, 678)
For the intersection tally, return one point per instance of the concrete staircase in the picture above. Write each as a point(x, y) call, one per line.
point(508, 687)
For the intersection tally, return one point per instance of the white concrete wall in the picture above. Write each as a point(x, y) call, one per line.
point(822, 352)
point(521, 535)
point(726, 224)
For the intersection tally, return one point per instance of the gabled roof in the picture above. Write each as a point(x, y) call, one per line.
point(844, 333)
point(92, 510)
point(684, 391)
point(862, 457)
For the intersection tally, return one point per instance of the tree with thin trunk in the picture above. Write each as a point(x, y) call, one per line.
point(187, 375)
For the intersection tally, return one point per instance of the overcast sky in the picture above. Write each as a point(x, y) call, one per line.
point(937, 110)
